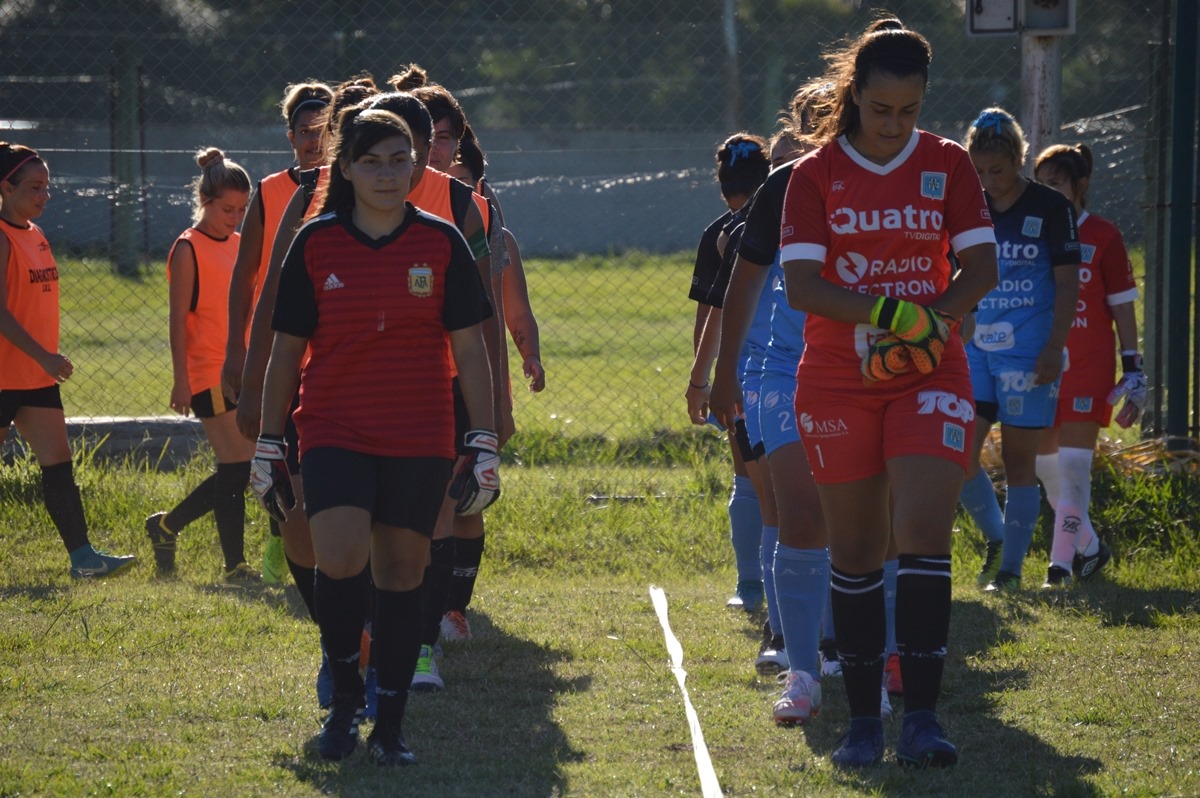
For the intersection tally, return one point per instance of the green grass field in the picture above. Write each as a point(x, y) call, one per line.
point(616, 341)
point(144, 687)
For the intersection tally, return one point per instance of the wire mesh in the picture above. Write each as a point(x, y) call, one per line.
point(600, 120)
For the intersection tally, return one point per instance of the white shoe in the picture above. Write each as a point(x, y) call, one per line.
point(772, 659)
point(801, 699)
point(830, 664)
point(427, 679)
point(455, 627)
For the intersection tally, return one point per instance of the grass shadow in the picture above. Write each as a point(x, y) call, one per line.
point(969, 712)
point(492, 731)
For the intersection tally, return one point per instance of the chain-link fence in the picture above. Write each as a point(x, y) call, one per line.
point(600, 120)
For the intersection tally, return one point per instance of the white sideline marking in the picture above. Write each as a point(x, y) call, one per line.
point(709, 786)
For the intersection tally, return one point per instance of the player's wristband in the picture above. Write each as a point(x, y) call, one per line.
point(884, 312)
point(1131, 360)
point(698, 387)
point(479, 244)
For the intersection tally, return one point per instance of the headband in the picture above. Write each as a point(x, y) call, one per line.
point(20, 163)
point(992, 119)
point(311, 104)
point(742, 149)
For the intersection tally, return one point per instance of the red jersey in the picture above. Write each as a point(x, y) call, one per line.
point(208, 313)
point(32, 282)
point(1105, 280)
point(377, 315)
point(884, 230)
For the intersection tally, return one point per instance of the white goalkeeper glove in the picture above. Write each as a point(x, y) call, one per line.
point(476, 482)
point(1132, 388)
point(269, 477)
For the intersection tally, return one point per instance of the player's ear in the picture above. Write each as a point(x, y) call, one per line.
point(854, 93)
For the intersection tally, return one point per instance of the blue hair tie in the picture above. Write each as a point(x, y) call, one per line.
point(742, 149)
point(992, 119)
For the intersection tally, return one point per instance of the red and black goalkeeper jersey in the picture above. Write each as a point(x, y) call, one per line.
point(377, 314)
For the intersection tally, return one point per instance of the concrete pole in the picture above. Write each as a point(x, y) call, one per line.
point(1041, 91)
point(733, 79)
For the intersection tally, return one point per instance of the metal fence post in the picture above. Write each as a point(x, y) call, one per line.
point(125, 149)
point(1179, 275)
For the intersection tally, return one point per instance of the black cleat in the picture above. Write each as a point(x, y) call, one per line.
point(1057, 576)
point(339, 733)
point(163, 543)
point(388, 749)
point(1084, 568)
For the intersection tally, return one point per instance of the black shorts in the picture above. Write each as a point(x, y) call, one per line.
point(12, 401)
point(462, 419)
point(211, 403)
point(291, 436)
point(399, 491)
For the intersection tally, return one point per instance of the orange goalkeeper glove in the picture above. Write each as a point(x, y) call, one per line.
point(923, 330)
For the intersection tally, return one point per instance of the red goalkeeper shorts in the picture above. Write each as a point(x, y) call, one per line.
point(850, 430)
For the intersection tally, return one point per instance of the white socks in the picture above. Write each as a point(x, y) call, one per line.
point(1073, 531)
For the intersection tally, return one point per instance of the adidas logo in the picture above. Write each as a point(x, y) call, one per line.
point(332, 282)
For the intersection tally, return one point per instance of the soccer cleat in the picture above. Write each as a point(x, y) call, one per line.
point(772, 658)
point(862, 746)
point(98, 564)
point(1086, 567)
point(426, 678)
point(892, 680)
point(388, 749)
point(922, 742)
point(455, 627)
point(1057, 576)
point(991, 563)
point(339, 733)
point(885, 705)
point(324, 682)
point(274, 565)
point(801, 699)
point(163, 541)
point(827, 653)
point(748, 596)
point(243, 574)
point(1004, 582)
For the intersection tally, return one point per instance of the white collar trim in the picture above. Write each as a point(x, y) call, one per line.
point(880, 169)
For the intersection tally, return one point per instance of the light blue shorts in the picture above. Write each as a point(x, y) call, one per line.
point(777, 411)
point(1007, 382)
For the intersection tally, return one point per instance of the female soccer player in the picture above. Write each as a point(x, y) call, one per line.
point(31, 367)
point(304, 109)
point(377, 292)
point(199, 267)
point(883, 392)
point(742, 165)
point(1016, 353)
point(1086, 396)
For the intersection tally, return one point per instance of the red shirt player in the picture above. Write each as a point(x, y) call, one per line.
point(868, 222)
point(1087, 394)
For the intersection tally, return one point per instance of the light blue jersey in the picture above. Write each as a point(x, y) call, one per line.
point(1033, 237)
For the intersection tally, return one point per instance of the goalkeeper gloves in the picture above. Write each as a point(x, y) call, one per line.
point(1132, 388)
point(476, 482)
point(923, 330)
point(886, 358)
point(269, 477)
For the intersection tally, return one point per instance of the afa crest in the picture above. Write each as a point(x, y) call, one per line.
point(933, 185)
point(420, 280)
